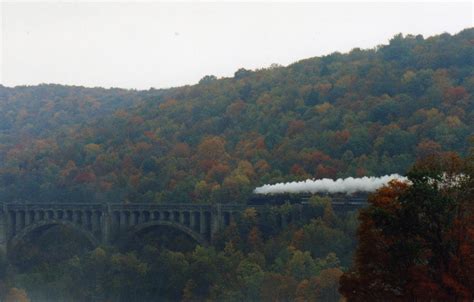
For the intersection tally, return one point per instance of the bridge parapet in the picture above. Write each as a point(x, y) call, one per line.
point(61, 206)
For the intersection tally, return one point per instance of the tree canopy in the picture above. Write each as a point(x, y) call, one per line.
point(366, 112)
point(416, 241)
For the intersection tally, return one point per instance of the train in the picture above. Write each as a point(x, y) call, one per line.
point(303, 198)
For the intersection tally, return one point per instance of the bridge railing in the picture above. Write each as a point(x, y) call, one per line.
point(52, 206)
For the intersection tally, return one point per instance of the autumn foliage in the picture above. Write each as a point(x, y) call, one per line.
point(416, 241)
point(365, 112)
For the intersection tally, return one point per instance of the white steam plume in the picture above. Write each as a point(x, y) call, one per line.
point(347, 185)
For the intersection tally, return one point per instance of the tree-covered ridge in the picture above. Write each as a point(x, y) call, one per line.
point(367, 112)
point(39, 110)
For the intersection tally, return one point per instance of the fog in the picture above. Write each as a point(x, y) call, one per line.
point(143, 45)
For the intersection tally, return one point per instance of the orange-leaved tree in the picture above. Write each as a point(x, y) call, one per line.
point(416, 239)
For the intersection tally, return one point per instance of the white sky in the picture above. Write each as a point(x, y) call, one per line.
point(143, 45)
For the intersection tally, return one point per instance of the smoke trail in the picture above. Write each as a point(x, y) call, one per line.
point(347, 185)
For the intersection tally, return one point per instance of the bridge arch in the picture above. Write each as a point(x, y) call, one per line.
point(198, 238)
point(18, 237)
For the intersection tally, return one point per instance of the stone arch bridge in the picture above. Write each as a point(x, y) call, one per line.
point(108, 223)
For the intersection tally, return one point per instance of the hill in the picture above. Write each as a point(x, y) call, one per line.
point(367, 112)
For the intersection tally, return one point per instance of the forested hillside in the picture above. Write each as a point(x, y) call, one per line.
point(367, 112)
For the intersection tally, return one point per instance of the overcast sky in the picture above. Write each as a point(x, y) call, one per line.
point(143, 45)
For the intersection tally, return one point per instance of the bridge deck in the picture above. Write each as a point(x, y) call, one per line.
point(106, 222)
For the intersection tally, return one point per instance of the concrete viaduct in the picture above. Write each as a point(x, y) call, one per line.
point(108, 223)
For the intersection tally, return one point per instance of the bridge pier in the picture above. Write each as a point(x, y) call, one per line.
point(105, 225)
point(202, 221)
point(3, 231)
point(216, 217)
point(192, 220)
point(95, 222)
point(124, 220)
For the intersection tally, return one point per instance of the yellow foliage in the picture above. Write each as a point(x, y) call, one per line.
point(168, 103)
point(92, 148)
point(408, 77)
point(453, 121)
point(16, 295)
point(323, 107)
point(245, 168)
point(250, 214)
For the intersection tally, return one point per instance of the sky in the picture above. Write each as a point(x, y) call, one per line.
point(160, 45)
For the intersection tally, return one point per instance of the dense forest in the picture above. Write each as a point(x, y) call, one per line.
point(367, 112)
point(415, 242)
point(364, 113)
